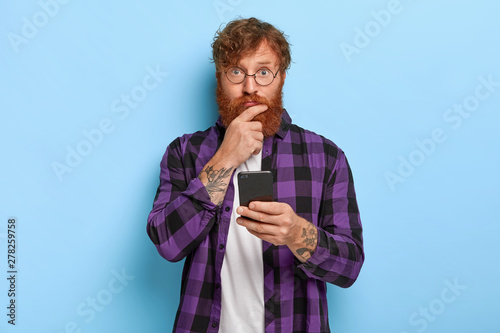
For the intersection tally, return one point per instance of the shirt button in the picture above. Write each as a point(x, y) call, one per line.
point(214, 324)
point(217, 285)
point(221, 246)
point(228, 209)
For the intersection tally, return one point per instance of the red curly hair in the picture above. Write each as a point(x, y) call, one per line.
point(242, 37)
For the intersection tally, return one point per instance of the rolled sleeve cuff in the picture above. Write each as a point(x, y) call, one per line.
point(198, 192)
point(320, 255)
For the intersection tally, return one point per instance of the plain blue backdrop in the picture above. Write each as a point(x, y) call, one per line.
point(91, 93)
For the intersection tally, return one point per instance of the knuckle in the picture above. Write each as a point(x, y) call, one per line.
point(283, 231)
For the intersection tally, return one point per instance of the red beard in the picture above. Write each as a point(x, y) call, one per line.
point(270, 119)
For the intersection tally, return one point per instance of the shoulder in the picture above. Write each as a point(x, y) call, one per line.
point(185, 150)
point(316, 143)
point(195, 141)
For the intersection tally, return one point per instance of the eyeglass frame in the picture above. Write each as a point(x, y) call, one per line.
point(254, 75)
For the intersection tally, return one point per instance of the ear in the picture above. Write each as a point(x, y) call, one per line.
point(283, 74)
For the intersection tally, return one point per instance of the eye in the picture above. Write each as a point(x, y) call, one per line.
point(264, 72)
point(235, 71)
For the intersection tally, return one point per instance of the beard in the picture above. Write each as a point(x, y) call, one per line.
point(270, 119)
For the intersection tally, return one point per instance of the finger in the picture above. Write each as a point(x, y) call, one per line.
point(251, 112)
point(255, 126)
point(265, 237)
point(246, 212)
point(257, 227)
point(258, 148)
point(258, 217)
point(268, 238)
point(271, 237)
point(258, 135)
point(268, 207)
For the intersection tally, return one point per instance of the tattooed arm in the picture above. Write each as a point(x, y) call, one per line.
point(216, 182)
point(307, 243)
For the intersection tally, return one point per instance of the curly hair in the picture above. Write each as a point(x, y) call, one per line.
point(242, 37)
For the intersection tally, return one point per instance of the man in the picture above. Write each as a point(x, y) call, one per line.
point(261, 268)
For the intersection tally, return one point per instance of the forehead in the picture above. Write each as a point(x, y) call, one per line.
point(263, 55)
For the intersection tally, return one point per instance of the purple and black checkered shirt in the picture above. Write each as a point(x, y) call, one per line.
point(312, 175)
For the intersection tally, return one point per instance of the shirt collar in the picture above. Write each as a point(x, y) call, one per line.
point(283, 130)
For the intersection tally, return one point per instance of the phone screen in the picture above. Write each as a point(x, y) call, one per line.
point(255, 186)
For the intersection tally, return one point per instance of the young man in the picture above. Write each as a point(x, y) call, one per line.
point(261, 268)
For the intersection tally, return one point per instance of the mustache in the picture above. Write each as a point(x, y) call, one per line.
point(239, 101)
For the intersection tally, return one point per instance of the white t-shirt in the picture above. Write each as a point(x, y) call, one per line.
point(242, 274)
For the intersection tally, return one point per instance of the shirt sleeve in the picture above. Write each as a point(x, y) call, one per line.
point(339, 254)
point(182, 213)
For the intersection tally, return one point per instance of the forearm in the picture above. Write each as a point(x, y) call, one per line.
point(177, 225)
point(185, 210)
point(338, 259)
point(332, 258)
point(216, 176)
point(306, 240)
point(182, 214)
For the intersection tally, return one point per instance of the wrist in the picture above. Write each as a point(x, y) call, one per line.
point(305, 241)
point(222, 160)
point(297, 239)
point(216, 176)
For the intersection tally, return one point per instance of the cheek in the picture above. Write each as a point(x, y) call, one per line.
point(230, 90)
point(270, 93)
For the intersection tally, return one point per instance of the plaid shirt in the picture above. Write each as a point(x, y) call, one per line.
point(312, 175)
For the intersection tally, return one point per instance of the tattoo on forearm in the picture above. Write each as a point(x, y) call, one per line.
point(310, 239)
point(304, 253)
point(217, 182)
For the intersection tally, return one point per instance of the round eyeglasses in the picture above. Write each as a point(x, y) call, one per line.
point(263, 76)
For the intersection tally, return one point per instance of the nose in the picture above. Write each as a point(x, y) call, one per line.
point(249, 85)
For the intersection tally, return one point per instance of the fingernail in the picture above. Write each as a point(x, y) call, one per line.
point(251, 206)
point(239, 210)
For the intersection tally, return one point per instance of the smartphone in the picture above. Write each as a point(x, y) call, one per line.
point(255, 186)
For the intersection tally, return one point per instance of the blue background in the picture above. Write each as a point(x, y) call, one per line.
point(434, 226)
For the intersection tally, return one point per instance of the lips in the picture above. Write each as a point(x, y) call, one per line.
point(250, 103)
